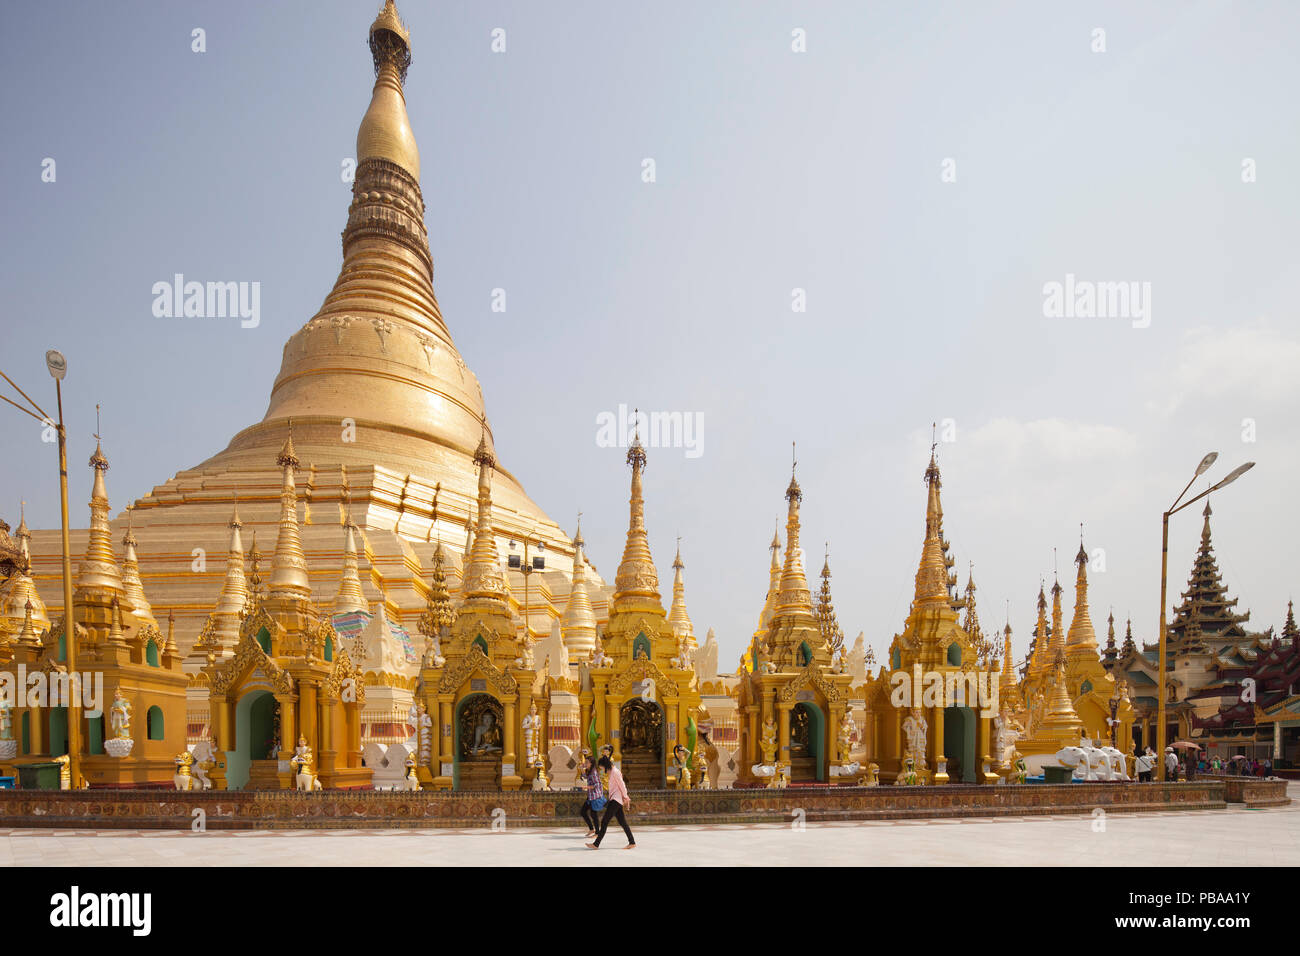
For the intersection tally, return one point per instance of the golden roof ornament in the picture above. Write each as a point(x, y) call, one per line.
point(1081, 634)
point(289, 576)
point(578, 624)
point(350, 597)
point(483, 579)
point(932, 578)
point(636, 585)
point(438, 612)
point(98, 570)
point(234, 591)
point(385, 131)
point(680, 620)
point(794, 596)
point(131, 582)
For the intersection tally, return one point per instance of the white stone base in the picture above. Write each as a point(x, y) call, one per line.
point(8, 749)
point(847, 770)
point(118, 747)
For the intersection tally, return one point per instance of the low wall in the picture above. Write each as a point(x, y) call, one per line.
point(269, 809)
point(1252, 791)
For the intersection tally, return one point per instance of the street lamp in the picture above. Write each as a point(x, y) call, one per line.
point(1161, 693)
point(58, 367)
point(526, 566)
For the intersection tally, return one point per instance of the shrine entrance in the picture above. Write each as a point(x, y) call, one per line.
point(480, 743)
point(959, 743)
point(807, 743)
point(641, 735)
point(254, 763)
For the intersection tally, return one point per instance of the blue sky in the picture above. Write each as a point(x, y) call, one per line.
point(775, 170)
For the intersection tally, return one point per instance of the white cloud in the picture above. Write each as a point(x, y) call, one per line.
point(1051, 440)
point(1255, 362)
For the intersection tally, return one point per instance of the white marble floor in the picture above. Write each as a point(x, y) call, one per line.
point(1231, 837)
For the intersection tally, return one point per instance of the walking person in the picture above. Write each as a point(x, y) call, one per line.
point(1171, 764)
point(618, 802)
point(595, 801)
point(1142, 766)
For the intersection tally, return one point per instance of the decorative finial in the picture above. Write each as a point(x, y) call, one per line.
point(636, 456)
point(482, 456)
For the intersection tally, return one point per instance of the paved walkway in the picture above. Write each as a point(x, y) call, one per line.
point(1231, 837)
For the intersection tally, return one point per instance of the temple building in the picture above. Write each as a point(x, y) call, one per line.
point(1260, 719)
point(385, 416)
point(1207, 651)
point(791, 699)
point(939, 737)
point(639, 691)
point(289, 688)
point(131, 711)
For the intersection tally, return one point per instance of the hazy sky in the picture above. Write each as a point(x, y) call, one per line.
point(775, 170)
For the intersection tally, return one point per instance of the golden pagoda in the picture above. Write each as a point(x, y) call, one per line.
point(639, 693)
point(120, 653)
point(792, 700)
point(481, 684)
point(926, 708)
point(288, 685)
point(384, 410)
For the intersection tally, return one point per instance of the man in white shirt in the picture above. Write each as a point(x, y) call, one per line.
point(1171, 764)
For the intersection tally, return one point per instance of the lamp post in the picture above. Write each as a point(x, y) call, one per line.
point(1161, 692)
point(526, 566)
point(58, 367)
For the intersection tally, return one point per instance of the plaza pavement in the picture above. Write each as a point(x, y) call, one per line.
point(1232, 837)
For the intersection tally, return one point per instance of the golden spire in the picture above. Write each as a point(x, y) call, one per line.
point(24, 536)
point(483, 580)
point(1057, 645)
point(1008, 660)
point(438, 612)
point(289, 565)
point(972, 624)
point(794, 596)
point(1081, 635)
point(827, 621)
point(115, 634)
point(1038, 661)
point(98, 570)
point(677, 616)
point(131, 582)
point(932, 575)
point(578, 625)
point(234, 592)
point(349, 597)
point(636, 585)
point(385, 131)
point(1060, 714)
point(28, 634)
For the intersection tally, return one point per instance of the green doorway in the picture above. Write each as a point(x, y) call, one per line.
point(959, 743)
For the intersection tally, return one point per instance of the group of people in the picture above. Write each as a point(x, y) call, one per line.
point(1187, 769)
point(613, 803)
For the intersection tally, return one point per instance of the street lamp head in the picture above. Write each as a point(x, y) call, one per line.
point(1235, 474)
point(56, 363)
point(1206, 462)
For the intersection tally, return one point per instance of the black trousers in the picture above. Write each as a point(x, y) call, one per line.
point(613, 808)
point(589, 816)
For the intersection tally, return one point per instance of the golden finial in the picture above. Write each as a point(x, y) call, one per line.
point(577, 535)
point(482, 456)
point(636, 456)
point(793, 493)
point(97, 460)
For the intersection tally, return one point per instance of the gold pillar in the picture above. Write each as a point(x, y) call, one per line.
point(783, 732)
point(615, 736)
point(307, 708)
point(511, 735)
point(936, 747)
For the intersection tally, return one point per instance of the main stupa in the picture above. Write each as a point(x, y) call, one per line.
point(383, 412)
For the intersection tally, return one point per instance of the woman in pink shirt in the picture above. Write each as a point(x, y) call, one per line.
point(618, 800)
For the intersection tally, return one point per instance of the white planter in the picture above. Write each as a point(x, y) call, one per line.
point(117, 747)
point(8, 749)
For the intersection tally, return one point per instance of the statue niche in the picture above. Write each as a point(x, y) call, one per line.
point(481, 743)
point(641, 730)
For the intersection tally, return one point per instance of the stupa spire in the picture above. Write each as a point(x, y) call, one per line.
point(1057, 644)
point(483, 579)
point(1082, 637)
point(794, 596)
point(683, 629)
point(827, 621)
point(1289, 631)
point(98, 570)
point(385, 131)
point(131, 582)
point(932, 575)
point(578, 625)
point(234, 591)
point(636, 585)
point(1039, 658)
point(289, 565)
point(773, 582)
point(350, 597)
